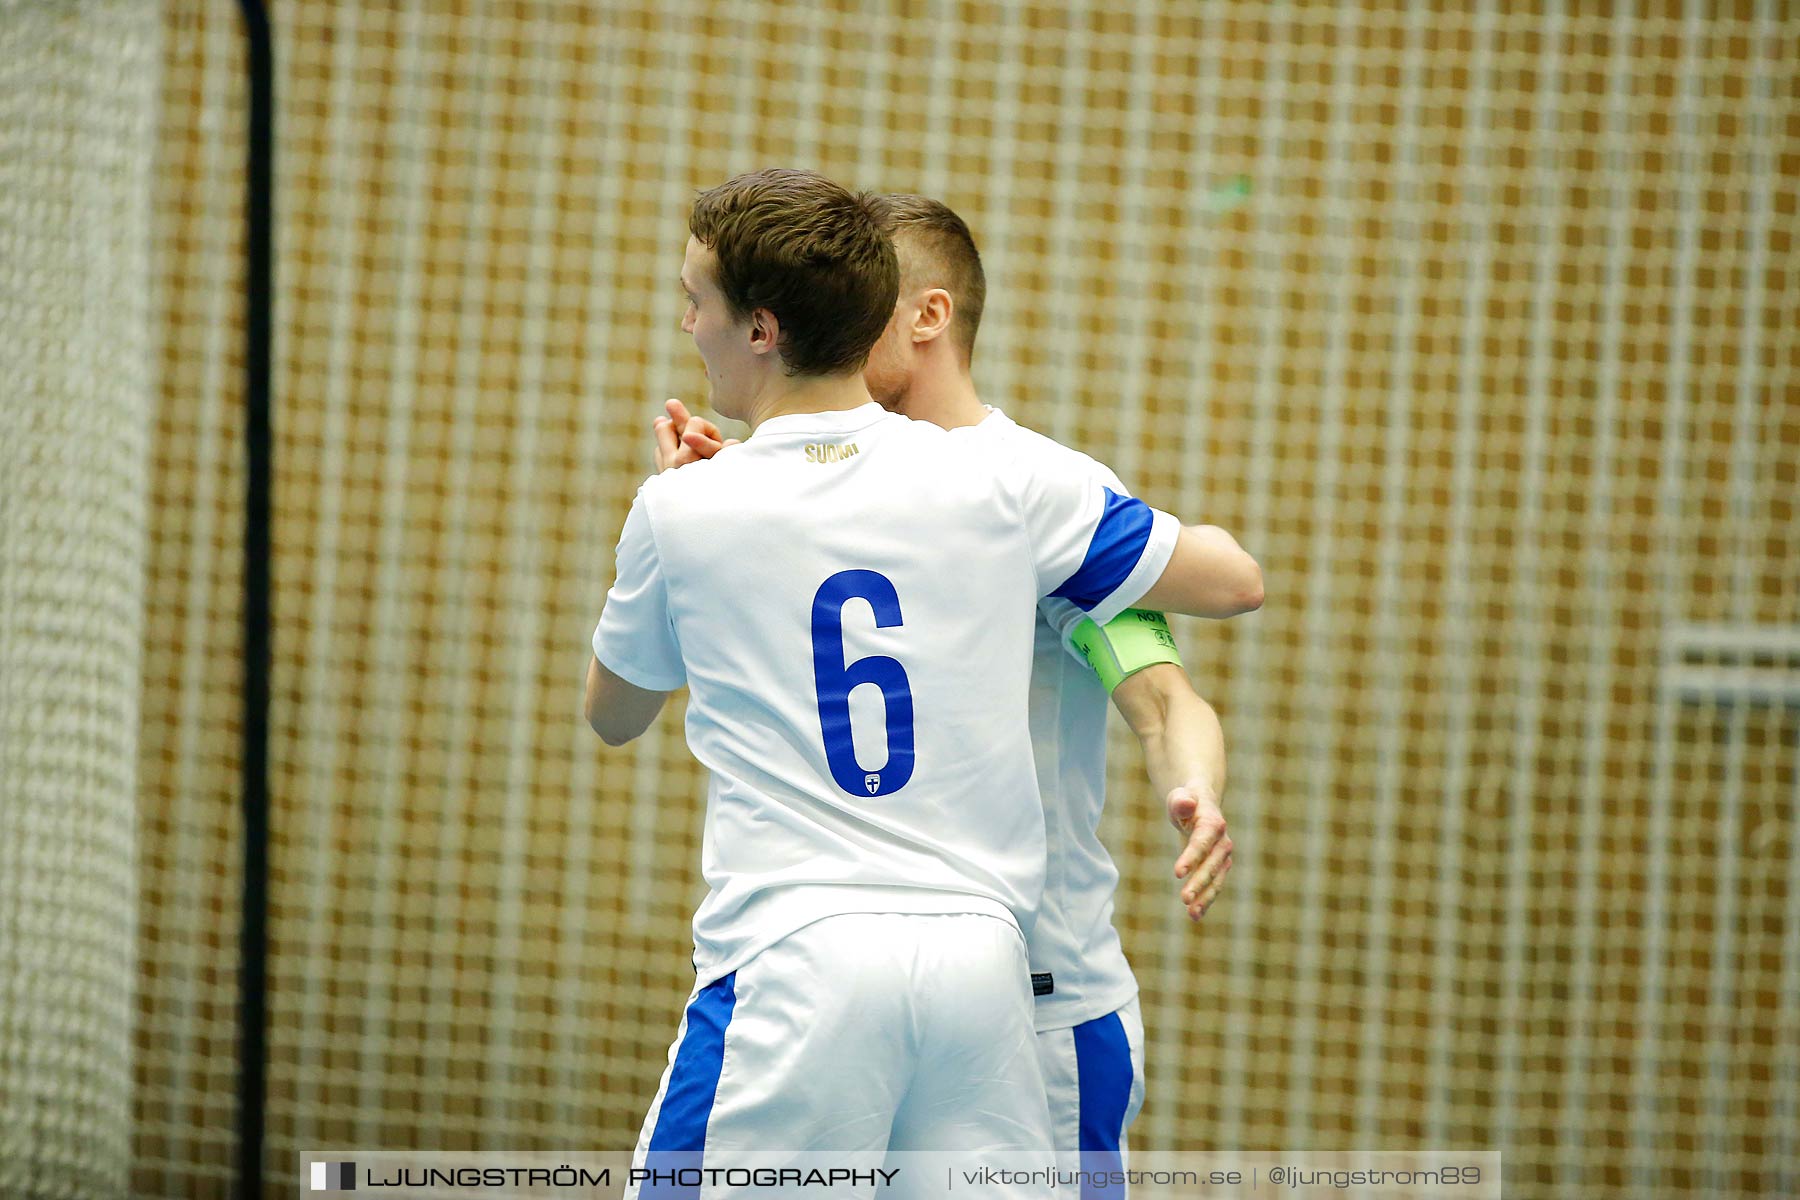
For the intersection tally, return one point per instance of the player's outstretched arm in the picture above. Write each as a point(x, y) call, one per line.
point(1209, 575)
point(618, 710)
point(1184, 751)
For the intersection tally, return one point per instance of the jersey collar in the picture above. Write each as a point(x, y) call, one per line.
point(835, 421)
point(996, 422)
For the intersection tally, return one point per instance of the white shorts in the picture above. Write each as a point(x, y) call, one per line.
point(1094, 1082)
point(859, 1033)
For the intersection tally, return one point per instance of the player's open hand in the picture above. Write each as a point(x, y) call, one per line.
point(1202, 863)
point(682, 438)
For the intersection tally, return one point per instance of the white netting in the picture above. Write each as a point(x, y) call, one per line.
point(1489, 358)
point(77, 89)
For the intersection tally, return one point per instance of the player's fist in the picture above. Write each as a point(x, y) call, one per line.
point(682, 438)
point(1203, 861)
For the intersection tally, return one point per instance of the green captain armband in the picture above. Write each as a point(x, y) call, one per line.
point(1131, 641)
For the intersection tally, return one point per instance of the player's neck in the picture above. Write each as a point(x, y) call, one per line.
point(793, 394)
point(946, 397)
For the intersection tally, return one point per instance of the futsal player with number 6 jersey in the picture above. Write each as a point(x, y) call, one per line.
point(850, 598)
point(1090, 1034)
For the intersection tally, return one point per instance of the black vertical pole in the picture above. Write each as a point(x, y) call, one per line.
point(253, 943)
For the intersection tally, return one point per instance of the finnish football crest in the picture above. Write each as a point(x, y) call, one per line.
point(872, 781)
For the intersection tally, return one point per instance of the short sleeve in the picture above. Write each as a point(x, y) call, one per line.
point(1060, 614)
point(635, 638)
point(1096, 549)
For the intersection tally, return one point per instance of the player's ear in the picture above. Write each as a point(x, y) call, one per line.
point(765, 331)
point(936, 309)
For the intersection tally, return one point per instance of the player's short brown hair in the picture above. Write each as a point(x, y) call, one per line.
point(935, 245)
point(810, 252)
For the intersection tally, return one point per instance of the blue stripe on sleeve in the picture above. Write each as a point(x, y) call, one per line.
point(1118, 543)
point(1103, 1089)
point(679, 1139)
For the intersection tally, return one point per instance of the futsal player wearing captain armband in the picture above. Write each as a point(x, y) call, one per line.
point(1090, 1036)
point(849, 597)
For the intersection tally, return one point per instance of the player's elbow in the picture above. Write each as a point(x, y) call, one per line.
point(606, 711)
point(611, 731)
point(1236, 576)
point(1208, 575)
point(616, 723)
point(1247, 595)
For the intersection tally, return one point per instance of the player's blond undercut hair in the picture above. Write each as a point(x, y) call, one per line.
point(936, 249)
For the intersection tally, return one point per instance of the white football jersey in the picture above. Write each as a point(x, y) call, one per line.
point(850, 598)
point(1078, 966)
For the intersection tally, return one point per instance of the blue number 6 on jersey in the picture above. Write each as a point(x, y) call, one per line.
point(834, 678)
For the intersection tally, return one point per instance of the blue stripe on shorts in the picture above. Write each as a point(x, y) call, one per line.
point(1103, 1088)
point(679, 1139)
